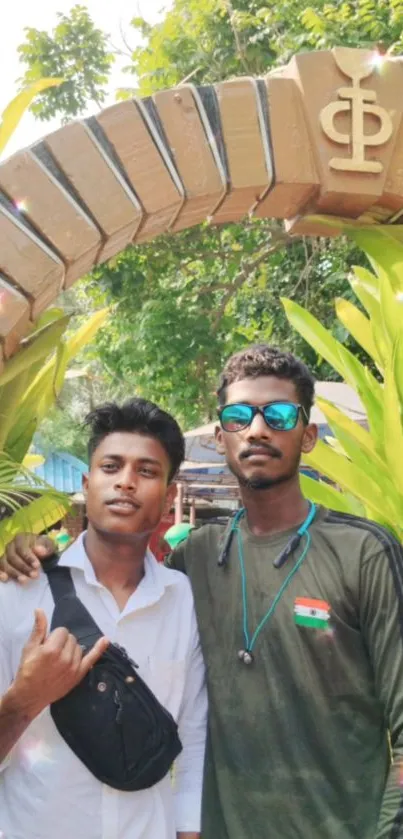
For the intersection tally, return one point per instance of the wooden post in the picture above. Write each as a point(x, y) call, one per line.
point(179, 504)
point(192, 512)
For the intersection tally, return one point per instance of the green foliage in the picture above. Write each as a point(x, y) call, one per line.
point(365, 463)
point(26, 502)
point(33, 378)
point(216, 39)
point(76, 51)
point(365, 23)
point(15, 110)
point(29, 385)
point(184, 303)
point(61, 429)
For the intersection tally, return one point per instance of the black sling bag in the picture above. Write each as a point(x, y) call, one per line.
point(111, 720)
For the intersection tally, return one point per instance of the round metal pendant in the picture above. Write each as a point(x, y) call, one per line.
point(245, 656)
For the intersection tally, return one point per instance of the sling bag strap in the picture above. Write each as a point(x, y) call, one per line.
point(86, 631)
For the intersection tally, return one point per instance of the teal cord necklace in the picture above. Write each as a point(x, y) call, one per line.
point(246, 655)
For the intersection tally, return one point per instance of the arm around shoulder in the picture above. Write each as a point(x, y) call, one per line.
point(23, 557)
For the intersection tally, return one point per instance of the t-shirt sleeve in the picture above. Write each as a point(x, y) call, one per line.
point(176, 559)
point(381, 617)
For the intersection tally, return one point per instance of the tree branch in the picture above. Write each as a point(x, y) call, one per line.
point(245, 273)
point(118, 51)
point(190, 75)
point(124, 40)
point(239, 47)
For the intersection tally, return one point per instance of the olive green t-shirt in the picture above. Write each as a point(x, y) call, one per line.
point(298, 741)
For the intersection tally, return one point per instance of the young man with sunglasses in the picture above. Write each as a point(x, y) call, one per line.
point(300, 613)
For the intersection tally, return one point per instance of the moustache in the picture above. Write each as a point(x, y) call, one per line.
point(271, 450)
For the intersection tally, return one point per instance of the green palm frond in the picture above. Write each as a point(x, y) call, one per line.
point(27, 502)
point(365, 464)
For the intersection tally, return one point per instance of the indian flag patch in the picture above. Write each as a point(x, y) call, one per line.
point(311, 612)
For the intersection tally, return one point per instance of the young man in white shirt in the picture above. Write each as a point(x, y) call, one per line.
point(45, 790)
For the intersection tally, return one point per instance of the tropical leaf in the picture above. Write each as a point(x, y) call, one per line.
point(20, 439)
point(14, 111)
point(383, 245)
point(34, 349)
point(393, 429)
point(85, 333)
point(365, 285)
point(335, 444)
point(398, 366)
point(369, 282)
point(354, 440)
point(359, 327)
point(38, 516)
point(353, 479)
point(11, 396)
point(321, 493)
point(15, 423)
point(45, 387)
point(316, 335)
point(391, 311)
point(339, 357)
point(27, 500)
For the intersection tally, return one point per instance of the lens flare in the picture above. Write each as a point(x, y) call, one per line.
point(21, 205)
point(377, 60)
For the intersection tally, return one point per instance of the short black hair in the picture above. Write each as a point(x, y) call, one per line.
point(141, 416)
point(263, 360)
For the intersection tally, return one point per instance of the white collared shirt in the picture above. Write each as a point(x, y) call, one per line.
point(45, 790)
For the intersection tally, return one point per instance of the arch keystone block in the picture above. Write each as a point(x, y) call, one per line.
point(352, 155)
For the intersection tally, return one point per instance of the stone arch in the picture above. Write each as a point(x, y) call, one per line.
point(284, 146)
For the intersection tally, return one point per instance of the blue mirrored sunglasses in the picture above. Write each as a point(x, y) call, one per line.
point(280, 416)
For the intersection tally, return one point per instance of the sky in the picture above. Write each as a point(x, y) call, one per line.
point(111, 16)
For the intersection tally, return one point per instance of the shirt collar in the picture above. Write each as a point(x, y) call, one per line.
point(156, 577)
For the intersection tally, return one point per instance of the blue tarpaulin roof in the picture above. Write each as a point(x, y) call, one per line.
point(62, 471)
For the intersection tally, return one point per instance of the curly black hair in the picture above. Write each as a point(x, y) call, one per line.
point(263, 360)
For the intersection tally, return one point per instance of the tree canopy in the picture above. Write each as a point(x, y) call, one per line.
point(75, 51)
